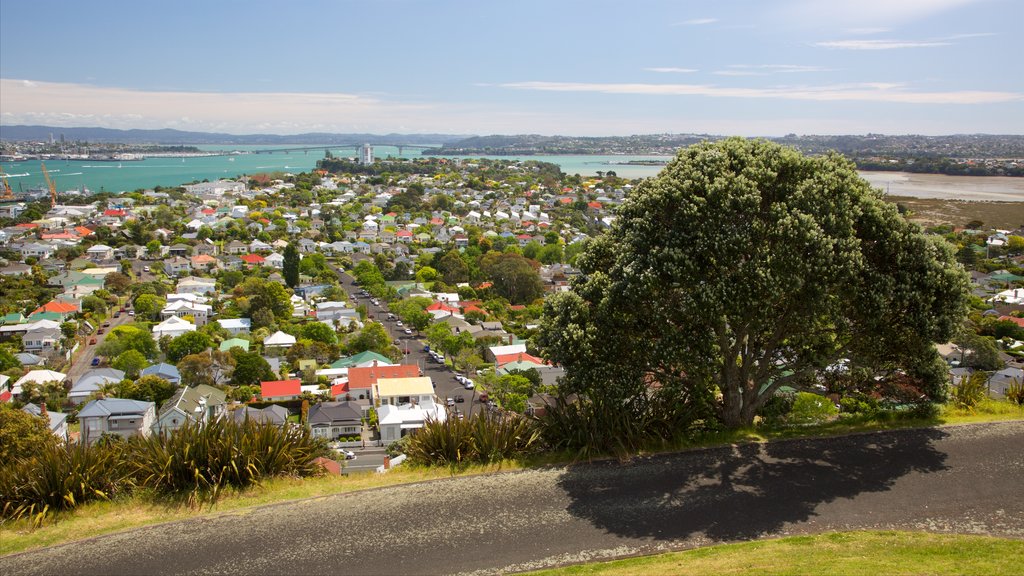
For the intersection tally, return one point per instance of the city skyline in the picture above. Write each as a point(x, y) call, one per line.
point(574, 68)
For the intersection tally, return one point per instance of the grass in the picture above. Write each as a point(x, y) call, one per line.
point(933, 211)
point(848, 553)
point(104, 517)
point(99, 518)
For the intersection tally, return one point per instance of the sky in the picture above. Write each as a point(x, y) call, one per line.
point(583, 68)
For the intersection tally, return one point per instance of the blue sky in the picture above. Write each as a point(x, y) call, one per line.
point(600, 67)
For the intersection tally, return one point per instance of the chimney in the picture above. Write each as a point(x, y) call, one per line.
point(42, 410)
point(510, 339)
point(374, 363)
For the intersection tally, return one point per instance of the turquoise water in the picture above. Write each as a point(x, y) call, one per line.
point(133, 175)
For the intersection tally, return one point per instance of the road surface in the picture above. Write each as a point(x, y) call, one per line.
point(964, 479)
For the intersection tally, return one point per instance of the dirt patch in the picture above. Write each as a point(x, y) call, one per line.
point(934, 211)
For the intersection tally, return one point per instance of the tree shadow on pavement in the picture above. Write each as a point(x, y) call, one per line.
point(742, 492)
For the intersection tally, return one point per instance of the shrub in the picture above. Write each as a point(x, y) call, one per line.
point(483, 438)
point(811, 408)
point(62, 477)
point(1015, 393)
point(970, 391)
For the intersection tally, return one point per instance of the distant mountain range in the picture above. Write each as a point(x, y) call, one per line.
point(169, 136)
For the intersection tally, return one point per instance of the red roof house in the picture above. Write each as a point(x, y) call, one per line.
point(58, 307)
point(361, 380)
point(1014, 319)
point(253, 259)
point(281, 389)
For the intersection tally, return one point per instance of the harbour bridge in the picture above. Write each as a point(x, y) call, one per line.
point(332, 148)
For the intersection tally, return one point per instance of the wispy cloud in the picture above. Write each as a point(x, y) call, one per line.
point(697, 22)
point(670, 70)
point(881, 44)
point(768, 69)
point(866, 92)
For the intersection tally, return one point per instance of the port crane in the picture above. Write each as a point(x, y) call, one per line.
point(6, 193)
point(49, 182)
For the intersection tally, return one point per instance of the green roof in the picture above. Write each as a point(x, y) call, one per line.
point(12, 318)
point(353, 360)
point(231, 343)
point(1006, 277)
point(55, 316)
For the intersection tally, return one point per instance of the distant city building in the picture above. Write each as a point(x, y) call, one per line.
point(366, 154)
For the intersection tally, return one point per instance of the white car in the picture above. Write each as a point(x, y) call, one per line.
point(450, 401)
point(469, 384)
point(408, 331)
point(399, 323)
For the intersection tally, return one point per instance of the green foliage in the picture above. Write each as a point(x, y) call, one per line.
point(58, 477)
point(131, 362)
point(745, 267)
point(186, 344)
point(970, 391)
point(250, 369)
point(811, 409)
point(372, 337)
point(515, 277)
point(319, 332)
point(150, 388)
point(1015, 393)
point(482, 438)
point(291, 266)
point(128, 337)
point(147, 306)
point(7, 360)
point(21, 435)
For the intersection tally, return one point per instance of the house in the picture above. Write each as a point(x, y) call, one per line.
point(163, 370)
point(179, 250)
point(236, 248)
point(195, 285)
point(173, 327)
point(274, 414)
point(124, 418)
point(100, 253)
point(198, 405)
point(181, 308)
point(37, 377)
point(234, 342)
point(281, 389)
point(253, 260)
point(204, 262)
point(396, 391)
point(494, 351)
point(90, 383)
point(236, 326)
point(275, 260)
point(1000, 381)
point(279, 340)
point(364, 359)
point(396, 421)
point(333, 419)
point(57, 421)
point(41, 340)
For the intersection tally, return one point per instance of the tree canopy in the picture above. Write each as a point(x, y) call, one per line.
point(745, 266)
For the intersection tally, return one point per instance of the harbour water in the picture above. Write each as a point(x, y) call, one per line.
point(174, 171)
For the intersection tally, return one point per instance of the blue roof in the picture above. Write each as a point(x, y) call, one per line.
point(166, 371)
point(109, 406)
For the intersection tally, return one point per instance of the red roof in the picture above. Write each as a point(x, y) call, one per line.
point(441, 306)
point(565, 200)
point(275, 388)
point(253, 259)
point(58, 307)
point(339, 389)
point(113, 212)
point(5, 396)
point(594, 205)
point(1014, 319)
point(83, 231)
point(403, 233)
point(473, 308)
point(484, 285)
point(61, 236)
point(503, 359)
point(365, 378)
point(26, 225)
point(436, 221)
point(524, 237)
point(208, 211)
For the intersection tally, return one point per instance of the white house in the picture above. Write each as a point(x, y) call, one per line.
point(279, 340)
point(182, 308)
point(276, 260)
point(37, 377)
point(100, 252)
point(173, 327)
point(236, 325)
point(395, 422)
point(90, 382)
point(396, 391)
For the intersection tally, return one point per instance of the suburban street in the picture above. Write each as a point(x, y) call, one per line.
point(962, 479)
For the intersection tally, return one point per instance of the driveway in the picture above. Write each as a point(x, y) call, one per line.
point(963, 479)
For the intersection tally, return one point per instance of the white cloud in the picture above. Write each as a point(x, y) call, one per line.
point(881, 44)
point(697, 22)
point(767, 69)
point(670, 70)
point(865, 92)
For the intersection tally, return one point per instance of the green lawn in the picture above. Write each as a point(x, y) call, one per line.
point(846, 553)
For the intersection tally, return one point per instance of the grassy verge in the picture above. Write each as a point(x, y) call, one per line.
point(98, 518)
point(848, 553)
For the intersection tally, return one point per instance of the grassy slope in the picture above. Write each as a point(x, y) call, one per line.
point(848, 553)
point(99, 518)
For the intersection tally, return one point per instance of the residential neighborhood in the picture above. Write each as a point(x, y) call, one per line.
point(356, 305)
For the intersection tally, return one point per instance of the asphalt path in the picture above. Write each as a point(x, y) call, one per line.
point(962, 479)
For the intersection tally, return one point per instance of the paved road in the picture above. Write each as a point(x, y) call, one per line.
point(957, 479)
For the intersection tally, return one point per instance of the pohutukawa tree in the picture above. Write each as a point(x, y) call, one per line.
point(745, 266)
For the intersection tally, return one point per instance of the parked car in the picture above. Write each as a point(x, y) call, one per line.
point(100, 331)
point(391, 315)
point(92, 340)
point(408, 331)
point(399, 323)
point(106, 324)
point(468, 384)
point(117, 314)
point(484, 397)
point(349, 455)
point(459, 398)
point(131, 312)
point(96, 361)
point(145, 268)
point(450, 401)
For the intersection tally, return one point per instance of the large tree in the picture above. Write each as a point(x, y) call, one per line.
point(291, 265)
point(745, 266)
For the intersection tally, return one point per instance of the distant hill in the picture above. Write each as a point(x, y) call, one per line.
point(169, 136)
